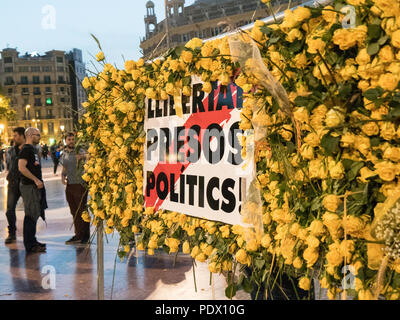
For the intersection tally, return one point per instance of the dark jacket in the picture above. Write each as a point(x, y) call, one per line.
point(13, 176)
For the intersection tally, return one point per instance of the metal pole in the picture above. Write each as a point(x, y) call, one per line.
point(166, 23)
point(100, 261)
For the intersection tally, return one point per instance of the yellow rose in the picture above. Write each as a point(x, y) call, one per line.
point(347, 248)
point(347, 139)
point(301, 114)
point(363, 57)
point(301, 13)
point(333, 222)
point(286, 132)
point(310, 255)
point(294, 34)
point(266, 241)
point(388, 81)
point(100, 56)
point(353, 225)
point(365, 295)
point(307, 152)
point(396, 39)
point(336, 170)
point(194, 43)
point(370, 129)
point(331, 202)
point(312, 242)
point(388, 131)
point(315, 45)
point(297, 263)
point(365, 173)
point(207, 87)
point(334, 117)
point(305, 283)
point(241, 257)
point(187, 56)
point(186, 247)
point(386, 54)
point(386, 170)
point(392, 153)
point(344, 39)
point(334, 256)
point(316, 228)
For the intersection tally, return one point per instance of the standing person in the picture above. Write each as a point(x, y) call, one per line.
point(32, 189)
point(53, 153)
point(45, 151)
point(13, 178)
point(76, 191)
point(2, 158)
point(8, 155)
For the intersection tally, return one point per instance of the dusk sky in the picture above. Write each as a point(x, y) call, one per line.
point(118, 24)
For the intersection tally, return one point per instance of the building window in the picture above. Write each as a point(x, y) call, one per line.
point(25, 91)
point(48, 90)
point(23, 69)
point(47, 79)
point(50, 126)
point(8, 60)
point(60, 59)
point(35, 69)
point(36, 79)
point(62, 89)
point(38, 102)
point(62, 99)
point(60, 69)
point(9, 80)
point(24, 80)
point(49, 101)
point(10, 90)
point(61, 79)
point(40, 126)
point(26, 101)
point(46, 69)
point(36, 90)
point(8, 69)
point(37, 114)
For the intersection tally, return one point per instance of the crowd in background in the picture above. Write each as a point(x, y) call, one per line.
point(23, 163)
point(55, 151)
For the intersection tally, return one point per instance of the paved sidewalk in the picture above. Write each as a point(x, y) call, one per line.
point(144, 277)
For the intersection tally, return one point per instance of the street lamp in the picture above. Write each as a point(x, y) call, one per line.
point(27, 110)
point(62, 131)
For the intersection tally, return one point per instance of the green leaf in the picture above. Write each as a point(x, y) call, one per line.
point(374, 31)
point(383, 40)
point(259, 263)
point(355, 169)
point(330, 144)
point(373, 94)
point(230, 291)
point(373, 48)
point(247, 286)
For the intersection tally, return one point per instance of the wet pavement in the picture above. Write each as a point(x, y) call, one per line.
point(70, 272)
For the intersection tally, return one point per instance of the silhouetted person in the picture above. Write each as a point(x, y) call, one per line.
point(32, 189)
point(13, 178)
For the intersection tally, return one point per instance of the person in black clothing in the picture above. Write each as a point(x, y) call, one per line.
point(2, 156)
point(54, 152)
point(13, 178)
point(45, 151)
point(31, 187)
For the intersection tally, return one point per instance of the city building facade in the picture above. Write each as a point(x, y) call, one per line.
point(77, 74)
point(203, 19)
point(43, 90)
